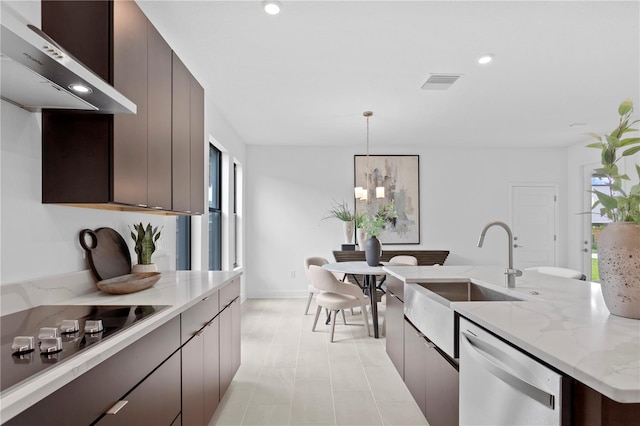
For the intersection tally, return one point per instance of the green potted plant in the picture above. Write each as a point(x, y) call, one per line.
point(373, 226)
point(619, 241)
point(145, 244)
point(341, 211)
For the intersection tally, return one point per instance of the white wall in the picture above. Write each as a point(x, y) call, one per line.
point(36, 239)
point(289, 190)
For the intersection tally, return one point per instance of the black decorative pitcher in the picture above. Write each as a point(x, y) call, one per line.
point(373, 251)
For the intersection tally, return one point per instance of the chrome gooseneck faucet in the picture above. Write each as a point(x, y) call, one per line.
point(511, 273)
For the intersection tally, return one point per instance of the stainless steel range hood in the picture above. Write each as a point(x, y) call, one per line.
point(37, 73)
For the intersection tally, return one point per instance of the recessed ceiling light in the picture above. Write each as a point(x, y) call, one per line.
point(80, 88)
point(272, 7)
point(485, 59)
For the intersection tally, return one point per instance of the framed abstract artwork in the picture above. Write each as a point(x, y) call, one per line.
point(400, 177)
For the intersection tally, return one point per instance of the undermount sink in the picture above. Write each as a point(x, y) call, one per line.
point(467, 292)
point(428, 307)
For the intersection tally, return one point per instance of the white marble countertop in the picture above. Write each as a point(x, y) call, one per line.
point(180, 290)
point(563, 322)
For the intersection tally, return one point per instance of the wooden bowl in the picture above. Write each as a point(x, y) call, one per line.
point(129, 283)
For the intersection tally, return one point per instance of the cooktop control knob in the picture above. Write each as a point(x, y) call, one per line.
point(48, 332)
point(23, 344)
point(69, 326)
point(50, 345)
point(93, 326)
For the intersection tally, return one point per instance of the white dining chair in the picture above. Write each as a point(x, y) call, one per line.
point(317, 261)
point(336, 296)
point(404, 260)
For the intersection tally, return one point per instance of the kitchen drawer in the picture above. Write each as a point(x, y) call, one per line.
point(229, 292)
point(155, 401)
point(198, 316)
point(86, 398)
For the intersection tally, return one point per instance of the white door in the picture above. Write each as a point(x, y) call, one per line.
point(533, 221)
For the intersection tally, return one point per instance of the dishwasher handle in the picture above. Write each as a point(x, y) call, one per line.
point(478, 354)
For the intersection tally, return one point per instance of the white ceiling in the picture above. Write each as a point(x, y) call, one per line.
point(304, 77)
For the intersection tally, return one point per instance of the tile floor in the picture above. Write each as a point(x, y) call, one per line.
point(293, 376)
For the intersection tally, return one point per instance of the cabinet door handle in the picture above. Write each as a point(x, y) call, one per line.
point(117, 407)
point(429, 344)
point(199, 332)
point(206, 298)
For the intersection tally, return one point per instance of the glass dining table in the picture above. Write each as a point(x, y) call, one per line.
point(369, 273)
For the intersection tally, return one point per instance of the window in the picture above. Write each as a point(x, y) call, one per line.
point(183, 243)
point(235, 216)
point(215, 212)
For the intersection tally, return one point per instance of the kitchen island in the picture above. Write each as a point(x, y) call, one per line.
point(180, 291)
point(562, 322)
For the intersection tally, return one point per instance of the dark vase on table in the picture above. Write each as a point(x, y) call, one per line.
point(373, 251)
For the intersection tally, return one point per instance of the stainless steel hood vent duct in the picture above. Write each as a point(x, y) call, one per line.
point(37, 73)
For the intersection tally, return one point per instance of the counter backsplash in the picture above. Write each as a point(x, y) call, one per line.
point(22, 295)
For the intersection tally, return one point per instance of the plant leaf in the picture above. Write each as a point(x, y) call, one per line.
point(629, 141)
point(607, 201)
point(613, 141)
point(598, 145)
point(631, 151)
point(625, 107)
point(595, 135)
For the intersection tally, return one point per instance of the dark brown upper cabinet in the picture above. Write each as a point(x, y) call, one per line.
point(197, 144)
point(119, 161)
point(188, 141)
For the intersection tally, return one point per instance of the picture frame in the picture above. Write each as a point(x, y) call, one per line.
point(400, 177)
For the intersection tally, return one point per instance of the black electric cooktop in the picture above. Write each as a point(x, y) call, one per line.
point(51, 328)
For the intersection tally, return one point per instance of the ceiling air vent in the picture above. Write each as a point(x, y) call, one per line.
point(440, 81)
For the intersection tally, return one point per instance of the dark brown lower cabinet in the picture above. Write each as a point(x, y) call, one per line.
point(201, 375)
point(229, 344)
point(193, 382)
point(161, 390)
point(394, 329)
point(211, 371)
point(442, 394)
point(174, 375)
point(591, 408)
point(431, 377)
point(200, 361)
point(87, 398)
point(415, 367)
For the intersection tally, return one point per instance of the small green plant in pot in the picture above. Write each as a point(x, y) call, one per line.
point(342, 212)
point(619, 241)
point(616, 204)
point(145, 244)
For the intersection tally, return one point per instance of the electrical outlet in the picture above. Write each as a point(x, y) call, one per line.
point(292, 273)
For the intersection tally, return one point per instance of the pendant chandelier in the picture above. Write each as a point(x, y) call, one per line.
point(362, 193)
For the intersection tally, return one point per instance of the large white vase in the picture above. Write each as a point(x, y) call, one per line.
point(348, 232)
point(362, 238)
point(619, 267)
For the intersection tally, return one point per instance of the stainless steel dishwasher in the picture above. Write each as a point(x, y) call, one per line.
point(501, 385)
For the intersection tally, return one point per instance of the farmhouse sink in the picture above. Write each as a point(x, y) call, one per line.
point(428, 307)
point(466, 292)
